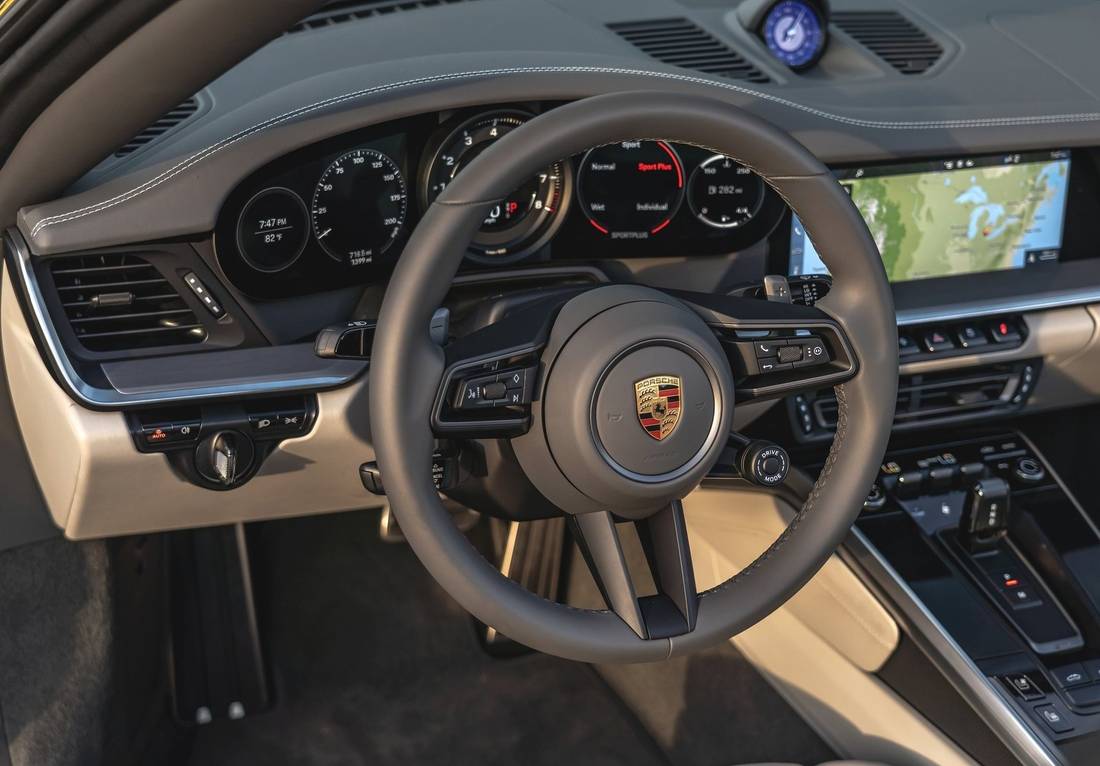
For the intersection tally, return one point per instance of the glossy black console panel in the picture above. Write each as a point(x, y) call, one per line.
point(1039, 652)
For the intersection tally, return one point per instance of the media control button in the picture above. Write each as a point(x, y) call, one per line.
point(789, 354)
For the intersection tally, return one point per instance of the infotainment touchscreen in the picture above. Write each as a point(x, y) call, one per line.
point(955, 216)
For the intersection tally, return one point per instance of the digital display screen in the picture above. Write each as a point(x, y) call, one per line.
point(955, 216)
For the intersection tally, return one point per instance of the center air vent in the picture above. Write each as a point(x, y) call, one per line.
point(176, 117)
point(681, 43)
point(891, 37)
point(932, 398)
point(120, 302)
point(339, 11)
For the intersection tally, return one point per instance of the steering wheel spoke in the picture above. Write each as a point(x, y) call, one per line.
point(776, 348)
point(672, 610)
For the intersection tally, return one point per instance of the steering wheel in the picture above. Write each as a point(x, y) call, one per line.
point(623, 395)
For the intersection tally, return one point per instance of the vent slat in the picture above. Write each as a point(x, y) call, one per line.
point(141, 315)
point(892, 37)
point(171, 120)
point(341, 11)
point(121, 302)
point(681, 43)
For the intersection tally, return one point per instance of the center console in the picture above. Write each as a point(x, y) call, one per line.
point(996, 569)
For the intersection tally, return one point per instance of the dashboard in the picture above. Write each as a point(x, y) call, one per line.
point(277, 210)
point(339, 211)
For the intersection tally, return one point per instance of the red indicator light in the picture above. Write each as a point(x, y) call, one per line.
point(157, 435)
point(1003, 328)
point(1011, 583)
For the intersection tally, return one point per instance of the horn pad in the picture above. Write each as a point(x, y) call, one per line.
point(636, 403)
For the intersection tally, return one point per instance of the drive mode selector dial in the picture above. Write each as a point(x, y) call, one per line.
point(632, 189)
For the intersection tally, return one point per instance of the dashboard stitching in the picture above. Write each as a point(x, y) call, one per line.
point(271, 122)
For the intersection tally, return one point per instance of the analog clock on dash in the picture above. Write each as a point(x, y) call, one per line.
point(794, 31)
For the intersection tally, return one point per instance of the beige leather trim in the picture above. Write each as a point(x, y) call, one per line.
point(97, 484)
point(732, 528)
point(821, 648)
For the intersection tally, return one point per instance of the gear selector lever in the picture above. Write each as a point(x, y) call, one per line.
point(985, 516)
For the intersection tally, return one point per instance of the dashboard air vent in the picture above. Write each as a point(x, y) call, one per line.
point(934, 398)
point(681, 43)
point(120, 302)
point(339, 11)
point(891, 37)
point(166, 123)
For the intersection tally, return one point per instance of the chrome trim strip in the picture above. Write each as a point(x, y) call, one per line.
point(110, 398)
point(1020, 304)
point(1015, 731)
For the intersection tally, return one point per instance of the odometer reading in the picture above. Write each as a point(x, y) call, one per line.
point(631, 190)
point(359, 207)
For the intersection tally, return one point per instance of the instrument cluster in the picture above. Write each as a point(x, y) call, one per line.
point(339, 212)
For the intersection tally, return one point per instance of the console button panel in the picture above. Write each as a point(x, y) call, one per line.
point(1025, 609)
point(917, 343)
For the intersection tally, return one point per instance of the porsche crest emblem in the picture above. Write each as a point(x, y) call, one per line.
point(658, 400)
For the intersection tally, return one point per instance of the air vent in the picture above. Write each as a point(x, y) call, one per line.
point(681, 43)
point(166, 123)
point(120, 302)
point(351, 10)
point(891, 37)
point(935, 398)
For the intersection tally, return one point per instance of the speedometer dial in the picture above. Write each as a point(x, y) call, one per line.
point(525, 218)
point(631, 190)
point(359, 207)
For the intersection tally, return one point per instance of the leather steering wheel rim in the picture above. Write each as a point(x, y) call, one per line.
point(407, 366)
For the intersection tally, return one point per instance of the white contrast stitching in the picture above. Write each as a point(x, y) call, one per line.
point(271, 122)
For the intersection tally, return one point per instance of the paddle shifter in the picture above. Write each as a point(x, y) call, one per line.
point(985, 516)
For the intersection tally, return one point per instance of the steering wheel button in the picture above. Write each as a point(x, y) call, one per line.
point(791, 353)
point(513, 379)
point(770, 364)
point(767, 348)
point(495, 390)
